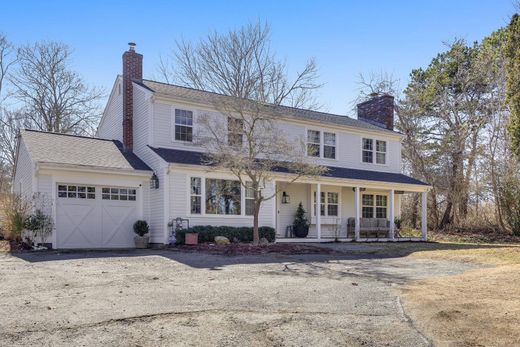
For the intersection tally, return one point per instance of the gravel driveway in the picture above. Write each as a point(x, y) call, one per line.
point(163, 297)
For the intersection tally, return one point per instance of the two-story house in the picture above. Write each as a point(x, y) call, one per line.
point(144, 164)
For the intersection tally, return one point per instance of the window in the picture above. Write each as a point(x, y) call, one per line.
point(367, 209)
point(313, 143)
point(368, 151)
point(332, 204)
point(329, 145)
point(329, 204)
point(380, 152)
point(76, 192)
point(183, 125)
point(235, 131)
point(123, 194)
point(381, 204)
point(250, 199)
point(196, 195)
point(223, 197)
point(379, 209)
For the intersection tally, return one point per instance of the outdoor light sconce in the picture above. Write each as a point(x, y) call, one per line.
point(154, 181)
point(285, 198)
point(360, 189)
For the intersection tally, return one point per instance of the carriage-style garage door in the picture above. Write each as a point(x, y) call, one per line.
point(90, 216)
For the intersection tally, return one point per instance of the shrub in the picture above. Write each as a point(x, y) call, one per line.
point(40, 225)
point(207, 233)
point(14, 210)
point(141, 227)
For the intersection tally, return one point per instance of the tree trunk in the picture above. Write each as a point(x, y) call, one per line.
point(256, 235)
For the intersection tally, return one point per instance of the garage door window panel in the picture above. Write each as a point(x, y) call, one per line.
point(76, 192)
point(123, 194)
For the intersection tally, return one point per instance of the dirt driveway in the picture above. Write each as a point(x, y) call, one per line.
point(162, 297)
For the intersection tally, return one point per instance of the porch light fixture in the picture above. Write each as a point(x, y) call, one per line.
point(360, 189)
point(154, 181)
point(285, 198)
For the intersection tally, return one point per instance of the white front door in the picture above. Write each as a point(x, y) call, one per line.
point(95, 217)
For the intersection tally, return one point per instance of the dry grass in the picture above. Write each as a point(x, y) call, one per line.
point(480, 307)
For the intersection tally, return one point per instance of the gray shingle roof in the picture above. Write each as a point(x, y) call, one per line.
point(210, 98)
point(47, 147)
point(197, 158)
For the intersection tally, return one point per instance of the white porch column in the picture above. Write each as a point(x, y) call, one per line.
point(358, 214)
point(318, 210)
point(424, 217)
point(392, 214)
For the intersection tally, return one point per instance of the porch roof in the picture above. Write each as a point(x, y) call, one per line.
point(177, 156)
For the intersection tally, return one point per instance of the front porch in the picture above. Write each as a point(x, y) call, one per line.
point(347, 212)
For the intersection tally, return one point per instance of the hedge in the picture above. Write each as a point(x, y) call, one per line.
point(207, 233)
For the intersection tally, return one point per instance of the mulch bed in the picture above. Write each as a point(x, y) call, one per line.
point(234, 249)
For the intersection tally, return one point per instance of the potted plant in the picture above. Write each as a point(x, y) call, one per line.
point(191, 237)
point(301, 223)
point(141, 228)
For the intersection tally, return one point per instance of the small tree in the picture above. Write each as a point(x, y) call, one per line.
point(40, 225)
point(301, 223)
point(141, 227)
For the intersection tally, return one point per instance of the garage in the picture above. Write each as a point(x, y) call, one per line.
point(91, 216)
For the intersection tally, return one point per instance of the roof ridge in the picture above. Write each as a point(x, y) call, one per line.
point(265, 103)
point(64, 134)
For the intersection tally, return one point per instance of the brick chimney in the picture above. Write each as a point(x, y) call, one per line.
point(132, 70)
point(378, 110)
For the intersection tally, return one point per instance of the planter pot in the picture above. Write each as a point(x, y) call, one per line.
point(141, 241)
point(191, 238)
point(300, 230)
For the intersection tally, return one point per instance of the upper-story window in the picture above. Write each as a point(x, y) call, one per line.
point(183, 125)
point(321, 147)
point(235, 131)
point(369, 151)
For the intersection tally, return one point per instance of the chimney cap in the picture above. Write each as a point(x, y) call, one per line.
point(131, 46)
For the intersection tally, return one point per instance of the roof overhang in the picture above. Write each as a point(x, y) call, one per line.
point(93, 169)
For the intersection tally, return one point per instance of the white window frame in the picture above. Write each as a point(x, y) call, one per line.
point(174, 123)
point(130, 194)
point(203, 213)
point(326, 204)
point(248, 198)
point(374, 151)
point(192, 195)
point(375, 205)
point(321, 144)
point(88, 193)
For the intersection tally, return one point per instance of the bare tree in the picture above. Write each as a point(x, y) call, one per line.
point(54, 97)
point(240, 63)
point(6, 61)
point(245, 140)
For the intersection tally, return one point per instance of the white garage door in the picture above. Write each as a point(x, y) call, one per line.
point(95, 217)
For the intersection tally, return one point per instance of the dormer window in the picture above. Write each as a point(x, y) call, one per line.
point(183, 125)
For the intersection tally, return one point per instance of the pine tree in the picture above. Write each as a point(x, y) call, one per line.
point(513, 82)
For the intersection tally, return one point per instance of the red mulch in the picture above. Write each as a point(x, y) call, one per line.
point(249, 249)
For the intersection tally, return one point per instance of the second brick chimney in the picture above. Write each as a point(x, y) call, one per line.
point(132, 70)
point(378, 110)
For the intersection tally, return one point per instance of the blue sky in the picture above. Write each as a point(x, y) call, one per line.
point(345, 37)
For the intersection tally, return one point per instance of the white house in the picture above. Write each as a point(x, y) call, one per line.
point(143, 164)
